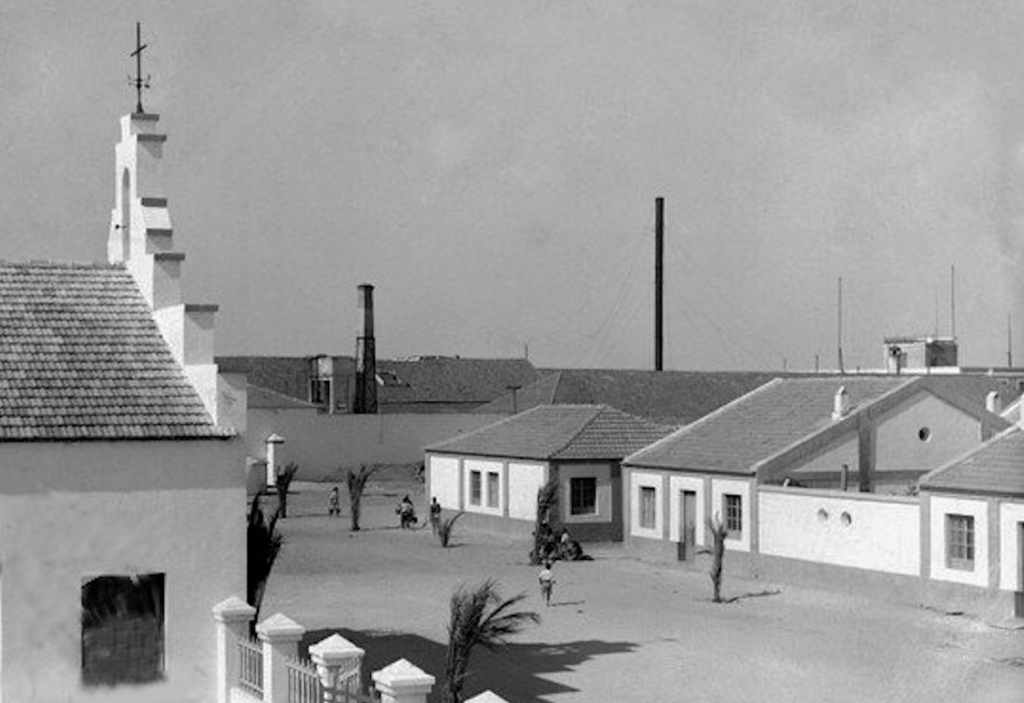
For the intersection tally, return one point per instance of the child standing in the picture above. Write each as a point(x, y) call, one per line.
point(333, 503)
point(547, 580)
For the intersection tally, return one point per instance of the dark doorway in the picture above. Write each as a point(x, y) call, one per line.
point(687, 525)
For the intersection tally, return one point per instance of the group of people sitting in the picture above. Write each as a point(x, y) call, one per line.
point(552, 546)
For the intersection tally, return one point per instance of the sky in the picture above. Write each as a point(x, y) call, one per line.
point(491, 168)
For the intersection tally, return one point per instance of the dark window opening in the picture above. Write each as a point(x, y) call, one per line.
point(122, 630)
point(583, 495)
point(733, 515)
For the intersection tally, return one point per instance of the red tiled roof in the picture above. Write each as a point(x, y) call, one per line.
point(81, 358)
point(996, 467)
point(559, 432)
point(760, 424)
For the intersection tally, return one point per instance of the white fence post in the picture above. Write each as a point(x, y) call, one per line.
point(233, 616)
point(403, 682)
point(280, 636)
point(487, 697)
point(339, 664)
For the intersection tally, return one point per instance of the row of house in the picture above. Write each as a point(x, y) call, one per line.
point(911, 485)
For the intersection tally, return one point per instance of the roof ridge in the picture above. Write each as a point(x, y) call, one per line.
point(575, 435)
point(702, 421)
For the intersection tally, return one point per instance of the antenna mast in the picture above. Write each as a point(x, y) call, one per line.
point(839, 328)
point(1009, 341)
point(952, 298)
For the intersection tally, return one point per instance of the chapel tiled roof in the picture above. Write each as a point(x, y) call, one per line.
point(760, 424)
point(559, 432)
point(996, 467)
point(82, 359)
point(670, 397)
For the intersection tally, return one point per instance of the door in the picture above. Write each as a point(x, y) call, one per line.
point(687, 525)
point(1018, 597)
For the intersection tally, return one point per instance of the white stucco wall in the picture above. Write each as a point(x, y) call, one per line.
point(951, 432)
point(444, 480)
point(719, 487)
point(883, 534)
point(484, 466)
point(941, 507)
point(73, 511)
point(832, 460)
point(1010, 516)
point(639, 479)
point(320, 443)
point(524, 480)
point(603, 474)
point(676, 486)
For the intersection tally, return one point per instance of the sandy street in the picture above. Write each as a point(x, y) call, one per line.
point(618, 629)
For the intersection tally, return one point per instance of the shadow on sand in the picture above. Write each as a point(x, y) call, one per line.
point(514, 672)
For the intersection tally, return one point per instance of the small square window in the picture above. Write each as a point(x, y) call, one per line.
point(122, 630)
point(733, 509)
point(583, 495)
point(960, 542)
point(492, 489)
point(475, 487)
point(648, 507)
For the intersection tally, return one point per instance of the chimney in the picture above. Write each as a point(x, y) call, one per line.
point(366, 355)
point(993, 404)
point(840, 404)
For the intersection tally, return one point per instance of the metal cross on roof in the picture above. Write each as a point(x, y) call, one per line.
point(138, 81)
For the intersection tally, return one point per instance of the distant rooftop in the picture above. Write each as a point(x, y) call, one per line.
point(559, 432)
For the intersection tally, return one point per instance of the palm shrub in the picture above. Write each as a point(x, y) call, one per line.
point(263, 544)
point(718, 534)
point(479, 616)
point(284, 483)
point(444, 528)
point(547, 499)
point(356, 481)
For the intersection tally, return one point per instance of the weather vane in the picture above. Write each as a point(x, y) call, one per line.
point(139, 82)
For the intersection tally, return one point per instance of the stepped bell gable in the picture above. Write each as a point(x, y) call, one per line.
point(142, 238)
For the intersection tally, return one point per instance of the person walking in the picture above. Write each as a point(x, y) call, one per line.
point(547, 581)
point(333, 503)
point(435, 514)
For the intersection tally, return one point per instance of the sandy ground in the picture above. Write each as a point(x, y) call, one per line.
point(619, 629)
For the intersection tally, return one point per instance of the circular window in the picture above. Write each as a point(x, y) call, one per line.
point(924, 434)
point(845, 519)
point(822, 515)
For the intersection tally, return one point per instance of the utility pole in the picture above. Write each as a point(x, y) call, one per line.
point(659, 282)
point(1009, 341)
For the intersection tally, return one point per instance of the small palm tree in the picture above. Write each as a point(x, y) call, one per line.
point(547, 499)
point(284, 483)
point(444, 528)
point(479, 616)
point(717, 551)
point(356, 483)
point(263, 544)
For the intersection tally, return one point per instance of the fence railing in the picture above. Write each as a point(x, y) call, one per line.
point(250, 666)
point(303, 682)
point(271, 669)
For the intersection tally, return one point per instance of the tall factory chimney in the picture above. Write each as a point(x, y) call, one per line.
point(366, 355)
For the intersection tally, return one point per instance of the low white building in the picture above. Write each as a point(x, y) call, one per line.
point(494, 473)
point(122, 494)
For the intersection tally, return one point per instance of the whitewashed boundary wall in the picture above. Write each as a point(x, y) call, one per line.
point(319, 442)
point(867, 531)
